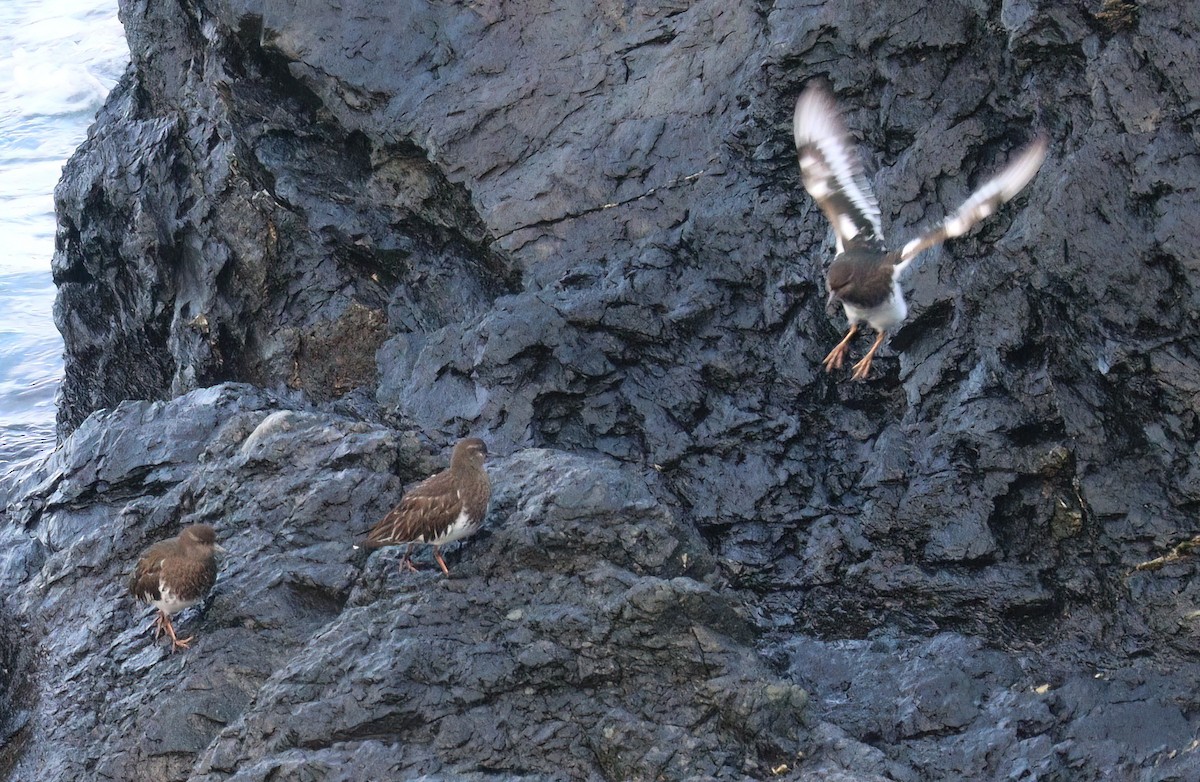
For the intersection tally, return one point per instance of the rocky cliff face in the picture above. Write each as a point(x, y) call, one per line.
point(590, 624)
point(578, 231)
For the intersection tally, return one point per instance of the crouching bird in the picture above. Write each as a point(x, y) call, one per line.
point(175, 574)
point(864, 276)
point(441, 509)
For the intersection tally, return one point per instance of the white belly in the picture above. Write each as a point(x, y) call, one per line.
point(885, 317)
point(460, 528)
point(170, 602)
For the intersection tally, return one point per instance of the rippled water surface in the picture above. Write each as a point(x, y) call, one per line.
point(58, 59)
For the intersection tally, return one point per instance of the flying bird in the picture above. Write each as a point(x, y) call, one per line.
point(441, 509)
point(864, 276)
point(175, 574)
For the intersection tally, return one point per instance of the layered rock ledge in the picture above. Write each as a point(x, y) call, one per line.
point(578, 231)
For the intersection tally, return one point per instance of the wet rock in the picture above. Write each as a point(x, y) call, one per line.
point(961, 710)
point(587, 622)
point(581, 229)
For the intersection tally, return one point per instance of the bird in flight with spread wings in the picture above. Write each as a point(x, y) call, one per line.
point(864, 276)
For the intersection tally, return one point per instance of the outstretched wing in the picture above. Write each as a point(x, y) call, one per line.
point(832, 172)
point(982, 203)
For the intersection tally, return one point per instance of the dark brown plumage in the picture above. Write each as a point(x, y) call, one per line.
point(441, 509)
point(174, 574)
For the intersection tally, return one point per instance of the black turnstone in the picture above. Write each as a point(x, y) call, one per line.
point(175, 574)
point(864, 276)
point(441, 509)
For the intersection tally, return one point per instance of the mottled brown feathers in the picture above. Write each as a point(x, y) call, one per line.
point(186, 564)
point(452, 502)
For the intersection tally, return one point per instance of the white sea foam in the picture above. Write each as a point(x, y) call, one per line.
point(58, 60)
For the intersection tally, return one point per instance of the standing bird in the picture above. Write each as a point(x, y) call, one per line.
point(175, 574)
point(441, 509)
point(864, 276)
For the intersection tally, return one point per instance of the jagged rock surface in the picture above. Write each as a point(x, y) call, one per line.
point(580, 227)
point(586, 624)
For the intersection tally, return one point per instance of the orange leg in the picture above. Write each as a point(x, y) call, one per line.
point(438, 556)
point(157, 627)
point(863, 367)
point(164, 622)
point(838, 354)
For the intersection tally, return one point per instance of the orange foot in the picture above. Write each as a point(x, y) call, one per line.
point(838, 354)
point(863, 367)
point(406, 563)
point(181, 643)
point(176, 642)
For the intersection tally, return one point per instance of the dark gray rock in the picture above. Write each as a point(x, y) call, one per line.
point(575, 640)
point(587, 621)
point(580, 227)
point(962, 711)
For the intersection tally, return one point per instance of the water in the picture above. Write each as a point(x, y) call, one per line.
point(58, 60)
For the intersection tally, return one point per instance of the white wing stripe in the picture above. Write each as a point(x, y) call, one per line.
point(846, 174)
point(981, 204)
point(832, 173)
